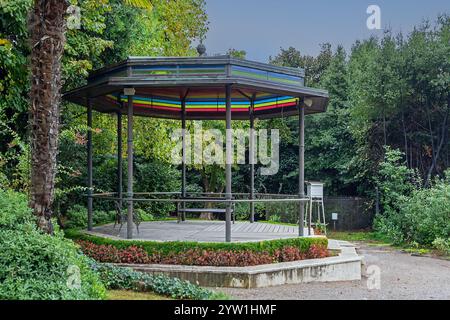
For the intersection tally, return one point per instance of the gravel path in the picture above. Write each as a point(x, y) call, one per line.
point(403, 276)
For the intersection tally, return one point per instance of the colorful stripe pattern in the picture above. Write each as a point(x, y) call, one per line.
point(265, 75)
point(209, 104)
point(215, 70)
point(179, 70)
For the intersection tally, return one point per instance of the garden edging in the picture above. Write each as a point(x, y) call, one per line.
point(344, 267)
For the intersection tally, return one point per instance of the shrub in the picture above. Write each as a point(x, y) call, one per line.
point(144, 215)
point(426, 214)
point(109, 253)
point(34, 265)
point(14, 210)
point(317, 251)
point(218, 258)
point(128, 279)
point(422, 217)
point(411, 213)
point(76, 217)
point(154, 175)
point(442, 245)
point(230, 258)
point(169, 247)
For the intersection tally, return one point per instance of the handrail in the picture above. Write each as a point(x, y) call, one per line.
point(196, 200)
point(199, 193)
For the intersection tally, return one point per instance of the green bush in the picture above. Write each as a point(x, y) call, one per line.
point(76, 217)
point(442, 245)
point(411, 213)
point(14, 210)
point(425, 216)
point(34, 265)
point(128, 279)
point(144, 215)
point(156, 176)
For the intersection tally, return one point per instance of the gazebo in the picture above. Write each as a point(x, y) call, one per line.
point(196, 88)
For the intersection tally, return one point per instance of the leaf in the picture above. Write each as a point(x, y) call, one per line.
point(144, 4)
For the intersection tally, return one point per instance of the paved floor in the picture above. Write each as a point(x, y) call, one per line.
point(202, 231)
point(402, 276)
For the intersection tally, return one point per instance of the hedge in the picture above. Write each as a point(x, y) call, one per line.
point(173, 247)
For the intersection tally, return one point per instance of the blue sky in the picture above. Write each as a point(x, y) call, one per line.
point(261, 27)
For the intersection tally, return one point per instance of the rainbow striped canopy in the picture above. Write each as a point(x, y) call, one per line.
point(162, 83)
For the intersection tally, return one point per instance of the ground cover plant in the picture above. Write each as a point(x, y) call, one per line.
point(119, 278)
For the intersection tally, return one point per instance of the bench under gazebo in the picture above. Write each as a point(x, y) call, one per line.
point(196, 88)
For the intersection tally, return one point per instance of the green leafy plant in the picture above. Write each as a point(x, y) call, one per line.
point(275, 218)
point(442, 245)
point(34, 265)
point(320, 228)
point(411, 213)
point(76, 217)
point(126, 278)
point(14, 210)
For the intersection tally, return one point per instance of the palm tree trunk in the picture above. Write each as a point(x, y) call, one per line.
point(47, 30)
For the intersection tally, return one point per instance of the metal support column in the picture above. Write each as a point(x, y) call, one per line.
point(229, 157)
point(119, 158)
point(130, 166)
point(252, 160)
point(183, 158)
point(301, 168)
point(89, 162)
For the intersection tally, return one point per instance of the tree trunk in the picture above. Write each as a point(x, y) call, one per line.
point(444, 133)
point(47, 28)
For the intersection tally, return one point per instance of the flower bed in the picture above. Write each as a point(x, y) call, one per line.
point(201, 257)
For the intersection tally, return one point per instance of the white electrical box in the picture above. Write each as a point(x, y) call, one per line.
point(314, 189)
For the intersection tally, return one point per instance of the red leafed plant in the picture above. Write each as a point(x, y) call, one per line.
point(317, 251)
point(109, 253)
point(289, 254)
point(218, 258)
point(198, 257)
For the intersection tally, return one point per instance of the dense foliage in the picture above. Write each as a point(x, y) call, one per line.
point(411, 212)
point(392, 92)
point(34, 265)
point(110, 30)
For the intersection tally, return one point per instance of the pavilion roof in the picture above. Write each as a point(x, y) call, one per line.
point(161, 83)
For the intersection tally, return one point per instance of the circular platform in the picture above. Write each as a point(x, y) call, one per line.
point(200, 231)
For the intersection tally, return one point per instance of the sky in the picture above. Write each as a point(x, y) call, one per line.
point(261, 27)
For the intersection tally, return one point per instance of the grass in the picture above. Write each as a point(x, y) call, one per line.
point(371, 238)
point(133, 295)
point(359, 235)
point(278, 222)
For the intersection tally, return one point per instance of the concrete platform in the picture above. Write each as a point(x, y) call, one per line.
point(344, 267)
point(200, 231)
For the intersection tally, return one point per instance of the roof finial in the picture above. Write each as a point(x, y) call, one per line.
point(201, 49)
